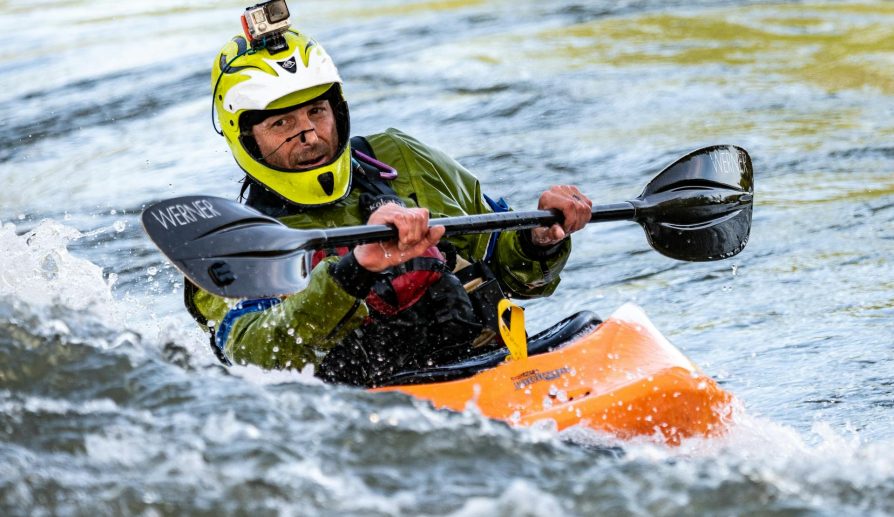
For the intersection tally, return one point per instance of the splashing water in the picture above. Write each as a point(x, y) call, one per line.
point(111, 403)
point(37, 269)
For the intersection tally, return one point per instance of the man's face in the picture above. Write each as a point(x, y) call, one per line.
point(303, 138)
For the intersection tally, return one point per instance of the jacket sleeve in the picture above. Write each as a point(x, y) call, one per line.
point(526, 270)
point(448, 189)
point(291, 333)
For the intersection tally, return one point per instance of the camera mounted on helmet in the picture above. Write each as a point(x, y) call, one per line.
point(265, 23)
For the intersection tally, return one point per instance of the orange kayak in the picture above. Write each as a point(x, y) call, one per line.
point(620, 376)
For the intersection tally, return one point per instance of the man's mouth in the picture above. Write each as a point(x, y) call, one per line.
point(313, 161)
point(318, 160)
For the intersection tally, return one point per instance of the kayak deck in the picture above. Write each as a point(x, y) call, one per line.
point(620, 377)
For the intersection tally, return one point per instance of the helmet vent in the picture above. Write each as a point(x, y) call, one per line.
point(327, 181)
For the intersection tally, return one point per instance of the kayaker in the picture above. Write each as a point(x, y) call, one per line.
point(378, 308)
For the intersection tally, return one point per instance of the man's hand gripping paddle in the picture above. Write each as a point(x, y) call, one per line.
point(696, 209)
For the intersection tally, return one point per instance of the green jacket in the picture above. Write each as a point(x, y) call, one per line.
point(302, 328)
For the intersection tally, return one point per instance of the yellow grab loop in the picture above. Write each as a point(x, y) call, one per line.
point(513, 335)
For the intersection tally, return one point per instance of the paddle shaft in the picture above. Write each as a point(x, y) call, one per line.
point(698, 208)
point(480, 223)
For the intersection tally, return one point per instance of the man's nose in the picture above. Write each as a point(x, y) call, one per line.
point(308, 131)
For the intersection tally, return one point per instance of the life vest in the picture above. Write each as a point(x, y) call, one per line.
point(420, 312)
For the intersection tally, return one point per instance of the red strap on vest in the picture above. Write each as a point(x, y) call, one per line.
point(319, 255)
point(407, 288)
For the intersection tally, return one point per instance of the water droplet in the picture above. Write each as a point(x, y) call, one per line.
point(152, 271)
point(275, 349)
point(49, 267)
point(291, 332)
point(120, 225)
point(735, 269)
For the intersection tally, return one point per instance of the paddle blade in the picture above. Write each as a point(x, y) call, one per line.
point(249, 277)
point(229, 249)
point(699, 208)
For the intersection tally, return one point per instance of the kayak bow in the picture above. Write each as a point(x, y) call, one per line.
point(620, 377)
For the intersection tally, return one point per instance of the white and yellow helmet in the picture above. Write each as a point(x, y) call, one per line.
point(246, 81)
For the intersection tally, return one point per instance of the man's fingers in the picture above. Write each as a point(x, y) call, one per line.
point(401, 222)
point(548, 236)
point(575, 206)
point(582, 208)
point(434, 234)
point(411, 224)
point(420, 228)
point(556, 233)
point(431, 238)
point(413, 237)
point(413, 227)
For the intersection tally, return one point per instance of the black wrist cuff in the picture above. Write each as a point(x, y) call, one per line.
point(352, 277)
point(526, 239)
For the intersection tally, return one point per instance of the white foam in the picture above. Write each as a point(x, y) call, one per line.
point(521, 498)
point(225, 428)
point(259, 376)
point(37, 269)
point(67, 292)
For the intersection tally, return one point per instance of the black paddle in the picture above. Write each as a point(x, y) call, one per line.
point(696, 209)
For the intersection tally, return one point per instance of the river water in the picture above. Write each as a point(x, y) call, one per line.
point(111, 403)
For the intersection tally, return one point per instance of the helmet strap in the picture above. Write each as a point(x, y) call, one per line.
point(223, 71)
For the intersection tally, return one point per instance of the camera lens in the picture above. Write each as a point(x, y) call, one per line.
point(277, 11)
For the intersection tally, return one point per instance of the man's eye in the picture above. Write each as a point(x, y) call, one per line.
point(279, 123)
